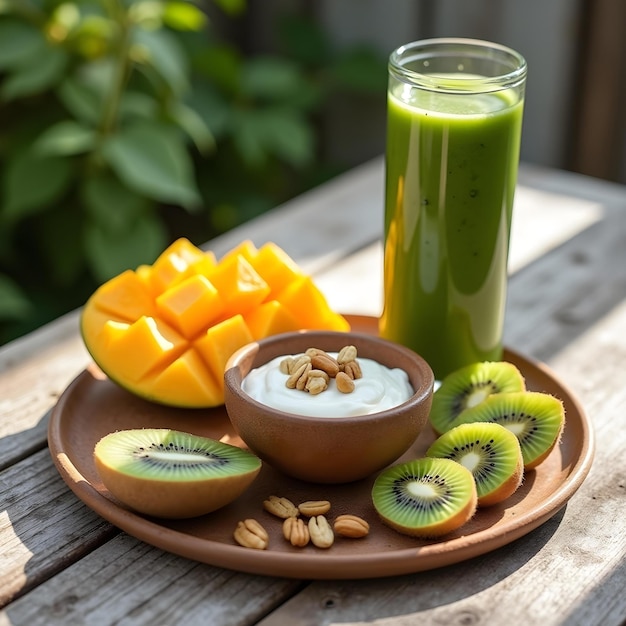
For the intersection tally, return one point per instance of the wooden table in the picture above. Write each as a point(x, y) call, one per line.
point(60, 563)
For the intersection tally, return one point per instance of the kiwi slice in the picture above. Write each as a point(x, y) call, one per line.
point(535, 418)
point(488, 450)
point(469, 386)
point(426, 497)
point(171, 474)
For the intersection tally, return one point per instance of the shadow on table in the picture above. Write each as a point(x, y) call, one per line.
point(404, 596)
point(32, 494)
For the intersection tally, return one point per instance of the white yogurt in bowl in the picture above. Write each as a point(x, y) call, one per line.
point(379, 389)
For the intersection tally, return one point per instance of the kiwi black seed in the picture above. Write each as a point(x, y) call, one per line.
point(172, 474)
point(536, 419)
point(491, 452)
point(426, 497)
point(469, 386)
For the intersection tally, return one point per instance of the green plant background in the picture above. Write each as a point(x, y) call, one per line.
point(125, 124)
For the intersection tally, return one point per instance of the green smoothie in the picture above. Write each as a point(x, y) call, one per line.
point(452, 163)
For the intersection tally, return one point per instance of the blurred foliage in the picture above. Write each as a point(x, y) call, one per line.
point(127, 123)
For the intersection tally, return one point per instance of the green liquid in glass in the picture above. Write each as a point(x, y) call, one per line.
point(451, 172)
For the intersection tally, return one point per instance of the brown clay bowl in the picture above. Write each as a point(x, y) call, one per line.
point(327, 449)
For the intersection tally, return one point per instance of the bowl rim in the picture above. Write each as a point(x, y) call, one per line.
point(419, 395)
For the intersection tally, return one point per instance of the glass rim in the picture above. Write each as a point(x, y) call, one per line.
point(463, 84)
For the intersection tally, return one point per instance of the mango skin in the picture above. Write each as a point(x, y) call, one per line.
point(165, 331)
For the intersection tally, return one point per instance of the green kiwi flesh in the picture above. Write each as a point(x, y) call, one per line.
point(491, 452)
point(536, 419)
point(426, 497)
point(468, 387)
point(172, 474)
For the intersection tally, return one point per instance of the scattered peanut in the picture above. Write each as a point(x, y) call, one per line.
point(316, 384)
point(345, 384)
point(353, 370)
point(298, 378)
point(250, 534)
point(326, 363)
point(351, 526)
point(286, 365)
point(296, 532)
point(313, 351)
point(320, 531)
point(280, 507)
point(346, 354)
point(311, 508)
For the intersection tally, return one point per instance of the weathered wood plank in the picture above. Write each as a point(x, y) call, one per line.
point(130, 582)
point(537, 579)
point(43, 526)
point(34, 370)
point(323, 225)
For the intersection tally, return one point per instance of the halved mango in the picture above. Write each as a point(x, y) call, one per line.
point(166, 331)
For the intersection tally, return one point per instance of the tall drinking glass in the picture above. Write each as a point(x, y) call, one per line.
point(453, 141)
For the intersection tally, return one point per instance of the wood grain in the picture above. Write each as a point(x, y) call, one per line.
point(60, 563)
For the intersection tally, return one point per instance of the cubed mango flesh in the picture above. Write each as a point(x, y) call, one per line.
point(165, 331)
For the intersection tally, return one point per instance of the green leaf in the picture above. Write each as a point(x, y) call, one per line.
point(14, 303)
point(19, 41)
point(289, 137)
point(41, 72)
point(111, 205)
point(33, 183)
point(163, 53)
point(270, 78)
point(65, 138)
point(184, 16)
point(193, 124)
point(137, 104)
point(80, 100)
point(232, 7)
point(275, 131)
point(249, 137)
point(109, 253)
point(153, 160)
point(221, 65)
point(213, 108)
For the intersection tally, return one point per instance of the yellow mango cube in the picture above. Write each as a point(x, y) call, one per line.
point(271, 318)
point(239, 284)
point(191, 305)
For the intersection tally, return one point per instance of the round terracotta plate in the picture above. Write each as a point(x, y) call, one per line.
point(92, 406)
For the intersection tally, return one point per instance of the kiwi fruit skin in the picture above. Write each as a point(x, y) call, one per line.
point(469, 386)
point(455, 482)
point(499, 470)
point(536, 418)
point(171, 474)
